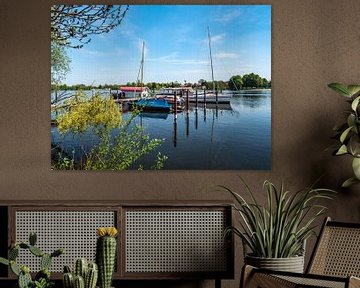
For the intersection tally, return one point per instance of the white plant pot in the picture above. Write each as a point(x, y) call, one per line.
point(291, 264)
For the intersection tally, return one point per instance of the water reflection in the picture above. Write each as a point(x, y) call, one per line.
point(226, 136)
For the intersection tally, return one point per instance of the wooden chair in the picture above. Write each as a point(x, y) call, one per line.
point(335, 262)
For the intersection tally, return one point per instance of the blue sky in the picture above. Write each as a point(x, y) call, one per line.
point(176, 45)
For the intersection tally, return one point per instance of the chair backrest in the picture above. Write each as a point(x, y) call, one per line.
point(337, 251)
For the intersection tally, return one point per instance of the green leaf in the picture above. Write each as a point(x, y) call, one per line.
point(354, 145)
point(4, 261)
point(355, 103)
point(14, 268)
point(345, 134)
point(342, 150)
point(349, 182)
point(341, 89)
point(351, 120)
point(356, 167)
point(353, 89)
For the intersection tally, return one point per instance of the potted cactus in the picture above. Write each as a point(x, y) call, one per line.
point(84, 275)
point(106, 254)
point(42, 278)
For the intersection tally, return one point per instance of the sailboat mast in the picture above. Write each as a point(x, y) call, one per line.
point(142, 64)
point(211, 62)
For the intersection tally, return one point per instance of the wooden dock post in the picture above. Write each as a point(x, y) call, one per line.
point(175, 105)
point(187, 119)
point(187, 101)
point(175, 133)
point(196, 119)
point(204, 98)
point(196, 100)
point(216, 97)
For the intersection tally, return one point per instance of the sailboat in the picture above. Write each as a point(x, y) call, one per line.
point(146, 103)
point(213, 97)
point(139, 91)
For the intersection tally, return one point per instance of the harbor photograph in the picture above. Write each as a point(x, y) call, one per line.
point(160, 87)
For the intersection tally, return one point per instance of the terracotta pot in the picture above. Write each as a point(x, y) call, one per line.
point(291, 264)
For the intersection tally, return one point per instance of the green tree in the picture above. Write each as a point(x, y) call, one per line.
point(125, 149)
point(252, 80)
point(60, 63)
point(81, 112)
point(265, 83)
point(221, 85)
point(235, 82)
point(115, 151)
point(72, 25)
point(60, 66)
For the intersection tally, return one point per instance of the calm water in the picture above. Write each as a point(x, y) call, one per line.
point(235, 136)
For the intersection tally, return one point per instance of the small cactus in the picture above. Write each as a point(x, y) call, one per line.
point(84, 274)
point(67, 269)
point(13, 253)
point(80, 268)
point(106, 254)
point(68, 280)
point(79, 282)
point(23, 273)
point(14, 268)
point(36, 251)
point(91, 276)
point(57, 252)
point(32, 239)
point(44, 273)
point(4, 261)
point(24, 277)
point(45, 261)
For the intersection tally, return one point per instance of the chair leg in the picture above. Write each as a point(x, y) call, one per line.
point(246, 273)
point(354, 282)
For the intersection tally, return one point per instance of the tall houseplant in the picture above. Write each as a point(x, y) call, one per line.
point(348, 132)
point(275, 233)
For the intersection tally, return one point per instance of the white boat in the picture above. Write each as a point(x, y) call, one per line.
point(127, 92)
point(221, 98)
point(169, 95)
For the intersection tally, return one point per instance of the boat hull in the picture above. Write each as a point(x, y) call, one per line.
point(156, 105)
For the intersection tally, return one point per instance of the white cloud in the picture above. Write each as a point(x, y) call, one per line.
point(217, 38)
point(227, 17)
point(100, 53)
point(173, 59)
point(226, 55)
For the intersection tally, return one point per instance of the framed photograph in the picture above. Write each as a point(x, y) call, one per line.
point(163, 87)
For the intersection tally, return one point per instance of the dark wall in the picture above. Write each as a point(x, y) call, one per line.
point(313, 43)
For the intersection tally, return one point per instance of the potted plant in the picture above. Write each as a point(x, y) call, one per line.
point(348, 132)
point(106, 254)
point(276, 233)
point(42, 278)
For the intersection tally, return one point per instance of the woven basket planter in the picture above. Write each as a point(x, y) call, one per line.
point(291, 264)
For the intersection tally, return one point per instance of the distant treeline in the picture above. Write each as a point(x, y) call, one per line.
point(236, 82)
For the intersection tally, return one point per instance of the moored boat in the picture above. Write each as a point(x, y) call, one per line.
point(153, 104)
point(210, 98)
point(168, 94)
point(127, 92)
